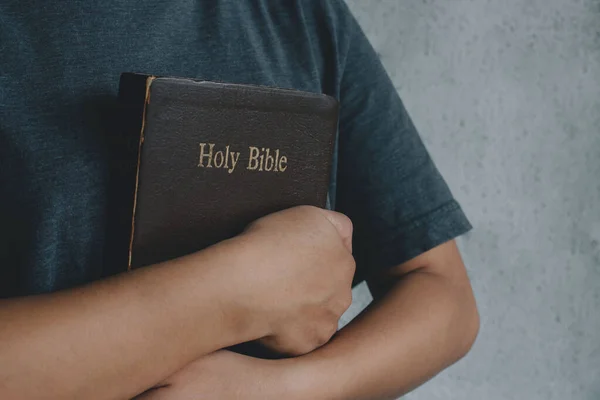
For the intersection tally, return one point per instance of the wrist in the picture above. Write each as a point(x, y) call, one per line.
point(244, 317)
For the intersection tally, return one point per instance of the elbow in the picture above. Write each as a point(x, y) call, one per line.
point(468, 331)
point(473, 330)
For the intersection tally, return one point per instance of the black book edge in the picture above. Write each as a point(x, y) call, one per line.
point(149, 80)
point(124, 124)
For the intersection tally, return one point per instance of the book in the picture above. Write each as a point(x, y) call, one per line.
point(212, 157)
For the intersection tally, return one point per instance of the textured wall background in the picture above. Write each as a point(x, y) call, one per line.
point(506, 94)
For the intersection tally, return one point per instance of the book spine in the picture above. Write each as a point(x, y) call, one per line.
point(146, 102)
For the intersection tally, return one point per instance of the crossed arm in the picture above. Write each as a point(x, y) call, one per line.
point(424, 318)
point(114, 338)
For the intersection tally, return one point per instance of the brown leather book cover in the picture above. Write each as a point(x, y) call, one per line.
point(213, 157)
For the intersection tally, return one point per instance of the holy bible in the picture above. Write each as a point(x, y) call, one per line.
point(213, 157)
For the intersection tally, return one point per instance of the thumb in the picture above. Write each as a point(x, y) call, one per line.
point(343, 225)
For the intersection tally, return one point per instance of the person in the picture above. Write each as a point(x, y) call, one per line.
point(74, 327)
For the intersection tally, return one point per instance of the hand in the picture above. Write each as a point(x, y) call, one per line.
point(299, 276)
point(224, 375)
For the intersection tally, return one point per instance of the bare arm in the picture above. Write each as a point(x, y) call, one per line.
point(421, 324)
point(287, 278)
point(114, 338)
point(423, 320)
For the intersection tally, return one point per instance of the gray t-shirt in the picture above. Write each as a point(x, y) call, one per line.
point(59, 67)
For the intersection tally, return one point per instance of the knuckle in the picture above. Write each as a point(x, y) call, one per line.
point(305, 343)
point(347, 264)
point(295, 349)
point(347, 221)
point(351, 263)
point(326, 334)
point(351, 266)
point(332, 329)
point(306, 347)
point(347, 300)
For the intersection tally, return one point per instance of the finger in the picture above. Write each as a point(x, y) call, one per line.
point(343, 225)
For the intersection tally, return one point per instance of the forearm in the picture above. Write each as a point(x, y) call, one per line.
point(115, 338)
point(424, 324)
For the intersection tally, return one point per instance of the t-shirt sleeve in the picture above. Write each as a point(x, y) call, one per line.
point(386, 181)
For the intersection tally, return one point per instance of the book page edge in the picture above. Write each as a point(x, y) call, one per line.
point(149, 81)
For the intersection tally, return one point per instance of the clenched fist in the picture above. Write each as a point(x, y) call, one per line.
point(299, 275)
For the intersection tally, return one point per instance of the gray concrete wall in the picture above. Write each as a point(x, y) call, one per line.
point(506, 94)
